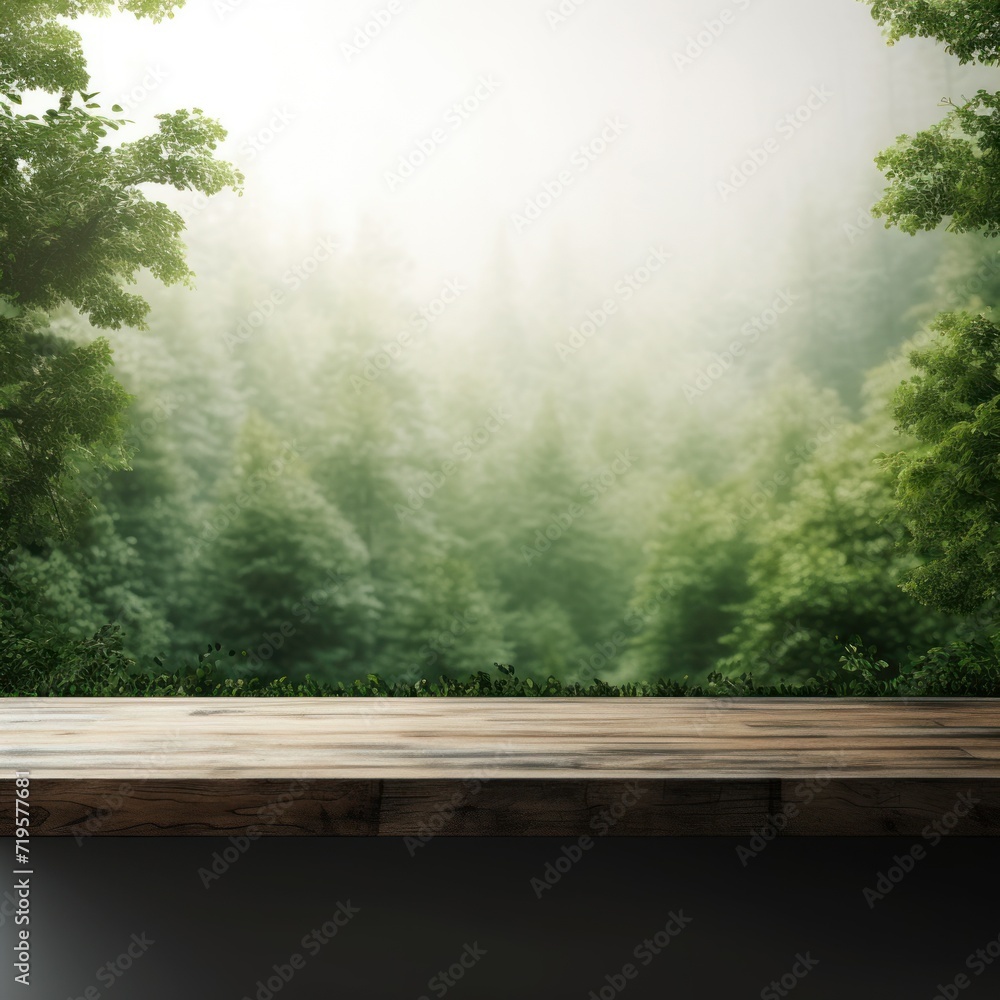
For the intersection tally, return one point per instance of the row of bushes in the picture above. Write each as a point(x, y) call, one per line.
point(33, 666)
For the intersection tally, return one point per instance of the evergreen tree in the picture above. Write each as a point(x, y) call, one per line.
point(279, 571)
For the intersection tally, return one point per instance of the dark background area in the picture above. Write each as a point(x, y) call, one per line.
point(420, 908)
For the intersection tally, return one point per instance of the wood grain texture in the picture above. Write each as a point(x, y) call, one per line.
point(424, 809)
point(130, 739)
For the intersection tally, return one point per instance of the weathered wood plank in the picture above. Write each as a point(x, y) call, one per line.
point(596, 808)
point(424, 809)
point(84, 808)
point(420, 808)
point(486, 767)
point(132, 739)
point(892, 808)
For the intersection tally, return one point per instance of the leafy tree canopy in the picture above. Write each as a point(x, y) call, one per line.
point(951, 170)
point(38, 52)
point(75, 229)
point(949, 492)
point(970, 29)
point(74, 226)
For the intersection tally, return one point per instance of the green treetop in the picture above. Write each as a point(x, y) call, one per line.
point(75, 230)
point(949, 493)
point(947, 489)
point(970, 29)
point(951, 170)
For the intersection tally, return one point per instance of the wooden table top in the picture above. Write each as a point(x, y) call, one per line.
point(503, 738)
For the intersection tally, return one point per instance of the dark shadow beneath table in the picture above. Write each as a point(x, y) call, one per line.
point(149, 918)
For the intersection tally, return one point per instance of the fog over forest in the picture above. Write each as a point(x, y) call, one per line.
point(557, 335)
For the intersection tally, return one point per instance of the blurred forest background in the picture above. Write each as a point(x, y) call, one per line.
point(634, 438)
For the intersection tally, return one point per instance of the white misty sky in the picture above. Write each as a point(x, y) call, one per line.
point(343, 121)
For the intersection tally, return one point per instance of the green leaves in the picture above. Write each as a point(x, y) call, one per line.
point(34, 664)
point(78, 226)
point(970, 29)
point(76, 229)
point(61, 411)
point(951, 170)
point(38, 52)
point(948, 491)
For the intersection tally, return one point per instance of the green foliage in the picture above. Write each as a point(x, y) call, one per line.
point(948, 492)
point(826, 566)
point(968, 668)
point(947, 488)
point(547, 540)
point(33, 648)
point(434, 615)
point(267, 551)
point(951, 170)
point(75, 227)
point(97, 668)
point(545, 641)
point(60, 412)
point(37, 52)
point(99, 579)
point(970, 29)
point(407, 507)
point(768, 570)
point(696, 577)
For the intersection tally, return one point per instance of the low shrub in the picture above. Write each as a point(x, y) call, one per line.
point(34, 664)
